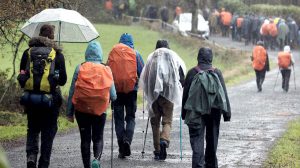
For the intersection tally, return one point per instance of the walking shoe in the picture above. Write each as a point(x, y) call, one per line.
point(126, 147)
point(121, 156)
point(156, 156)
point(31, 161)
point(163, 150)
point(121, 150)
point(96, 163)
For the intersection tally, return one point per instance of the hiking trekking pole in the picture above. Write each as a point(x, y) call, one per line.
point(180, 134)
point(112, 136)
point(276, 80)
point(145, 138)
point(294, 77)
point(143, 122)
point(143, 107)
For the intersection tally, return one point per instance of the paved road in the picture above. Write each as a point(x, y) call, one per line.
point(258, 119)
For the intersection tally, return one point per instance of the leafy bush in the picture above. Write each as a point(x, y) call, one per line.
point(234, 6)
point(277, 10)
point(10, 91)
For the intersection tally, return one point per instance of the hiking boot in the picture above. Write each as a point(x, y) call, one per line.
point(163, 150)
point(156, 156)
point(121, 156)
point(126, 147)
point(121, 150)
point(31, 161)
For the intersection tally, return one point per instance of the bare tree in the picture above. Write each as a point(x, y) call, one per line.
point(14, 13)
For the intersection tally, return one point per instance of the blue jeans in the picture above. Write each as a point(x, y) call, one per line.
point(125, 102)
point(210, 125)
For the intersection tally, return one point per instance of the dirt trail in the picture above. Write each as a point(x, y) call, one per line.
point(258, 119)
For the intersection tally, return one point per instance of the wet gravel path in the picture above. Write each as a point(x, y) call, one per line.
point(258, 119)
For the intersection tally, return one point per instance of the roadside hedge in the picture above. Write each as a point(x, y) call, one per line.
point(277, 10)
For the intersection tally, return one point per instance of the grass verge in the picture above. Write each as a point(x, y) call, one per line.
point(14, 125)
point(286, 151)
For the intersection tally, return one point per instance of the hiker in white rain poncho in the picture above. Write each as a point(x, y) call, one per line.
point(161, 80)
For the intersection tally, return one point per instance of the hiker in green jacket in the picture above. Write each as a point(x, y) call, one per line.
point(202, 111)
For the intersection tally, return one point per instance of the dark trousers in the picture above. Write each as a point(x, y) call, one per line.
point(44, 122)
point(91, 128)
point(125, 102)
point(260, 77)
point(209, 126)
point(286, 73)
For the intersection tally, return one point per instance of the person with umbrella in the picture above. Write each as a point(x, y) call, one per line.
point(42, 71)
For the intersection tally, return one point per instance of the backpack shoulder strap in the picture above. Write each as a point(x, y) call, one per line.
point(28, 60)
point(198, 69)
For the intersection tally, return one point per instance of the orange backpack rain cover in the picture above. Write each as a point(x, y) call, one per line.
point(284, 59)
point(259, 58)
point(265, 29)
point(226, 18)
point(122, 61)
point(272, 29)
point(92, 88)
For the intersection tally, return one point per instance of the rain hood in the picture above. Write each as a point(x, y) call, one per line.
point(127, 40)
point(94, 52)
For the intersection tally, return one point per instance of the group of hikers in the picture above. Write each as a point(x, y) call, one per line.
point(275, 32)
point(200, 96)
point(260, 64)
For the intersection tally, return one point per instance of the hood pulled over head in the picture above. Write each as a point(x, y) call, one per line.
point(127, 40)
point(94, 52)
point(287, 48)
point(205, 58)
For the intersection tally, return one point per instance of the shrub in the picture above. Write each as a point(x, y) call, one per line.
point(277, 10)
point(234, 6)
point(11, 92)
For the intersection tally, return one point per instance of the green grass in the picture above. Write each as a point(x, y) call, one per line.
point(17, 126)
point(286, 151)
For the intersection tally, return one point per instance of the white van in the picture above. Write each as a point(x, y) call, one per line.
point(184, 24)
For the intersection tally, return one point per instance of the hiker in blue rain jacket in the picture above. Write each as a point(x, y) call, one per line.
point(125, 105)
point(91, 127)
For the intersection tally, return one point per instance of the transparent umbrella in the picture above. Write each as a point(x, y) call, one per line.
point(70, 26)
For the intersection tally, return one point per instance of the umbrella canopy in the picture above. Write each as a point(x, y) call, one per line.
point(70, 26)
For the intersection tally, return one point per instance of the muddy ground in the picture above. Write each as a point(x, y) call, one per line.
point(258, 119)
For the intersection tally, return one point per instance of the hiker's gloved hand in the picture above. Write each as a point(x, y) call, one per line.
point(71, 119)
point(226, 118)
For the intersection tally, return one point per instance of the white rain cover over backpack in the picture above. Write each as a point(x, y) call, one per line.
point(160, 76)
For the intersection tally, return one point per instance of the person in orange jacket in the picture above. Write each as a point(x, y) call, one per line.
point(285, 62)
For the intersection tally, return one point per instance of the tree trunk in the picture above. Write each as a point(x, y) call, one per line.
point(195, 7)
point(16, 50)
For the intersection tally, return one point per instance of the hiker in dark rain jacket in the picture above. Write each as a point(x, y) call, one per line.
point(208, 123)
point(42, 120)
